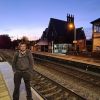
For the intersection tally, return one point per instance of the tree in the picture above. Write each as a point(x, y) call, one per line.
point(15, 43)
point(26, 40)
point(5, 42)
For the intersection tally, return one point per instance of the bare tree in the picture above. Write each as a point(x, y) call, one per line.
point(5, 42)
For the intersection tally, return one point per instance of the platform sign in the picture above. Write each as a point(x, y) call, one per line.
point(74, 41)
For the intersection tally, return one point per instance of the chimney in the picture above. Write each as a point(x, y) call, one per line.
point(70, 18)
point(67, 17)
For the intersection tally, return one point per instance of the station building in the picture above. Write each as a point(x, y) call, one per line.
point(59, 36)
point(96, 35)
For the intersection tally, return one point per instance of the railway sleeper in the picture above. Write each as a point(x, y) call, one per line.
point(43, 87)
point(58, 96)
point(52, 93)
point(48, 89)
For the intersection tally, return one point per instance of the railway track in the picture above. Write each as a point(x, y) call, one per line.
point(47, 88)
point(83, 76)
point(6, 55)
point(50, 90)
point(2, 59)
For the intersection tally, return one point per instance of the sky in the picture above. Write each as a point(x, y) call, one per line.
point(30, 17)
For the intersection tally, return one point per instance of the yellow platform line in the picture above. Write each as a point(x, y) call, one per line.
point(4, 93)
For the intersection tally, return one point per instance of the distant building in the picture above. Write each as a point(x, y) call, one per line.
point(89, 45)
point(96, 35)
point(60, 37)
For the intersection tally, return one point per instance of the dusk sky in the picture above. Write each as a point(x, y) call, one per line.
point(31, 17)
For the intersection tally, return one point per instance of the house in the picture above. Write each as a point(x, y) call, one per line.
point(96, 35)
point(60, 37)
point(89, 45)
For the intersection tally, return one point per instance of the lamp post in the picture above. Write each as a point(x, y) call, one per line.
point(72, 26)
point(52, 47)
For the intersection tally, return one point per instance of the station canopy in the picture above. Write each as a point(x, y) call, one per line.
point(97, 21)
point(42, 42)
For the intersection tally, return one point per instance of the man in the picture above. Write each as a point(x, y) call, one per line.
point(22, 65)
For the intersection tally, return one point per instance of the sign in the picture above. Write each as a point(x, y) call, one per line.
point(74, 41)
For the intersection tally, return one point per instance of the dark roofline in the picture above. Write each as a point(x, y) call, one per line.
point(57, 19)
point(95, 21)
point(80, 28)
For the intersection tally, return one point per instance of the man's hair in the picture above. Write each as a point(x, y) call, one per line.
point(21, 43)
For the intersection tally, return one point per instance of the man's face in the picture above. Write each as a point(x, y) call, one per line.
point(23, 47)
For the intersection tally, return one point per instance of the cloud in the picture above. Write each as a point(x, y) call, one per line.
point(31, 33)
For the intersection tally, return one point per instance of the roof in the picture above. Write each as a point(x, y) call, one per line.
point(59, 32)
point(59, 26)
point(56, 30)
point(42, 42)
point(95, 21)
point(44, 35)
point(80, 33)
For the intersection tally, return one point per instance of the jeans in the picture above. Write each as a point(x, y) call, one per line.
point(17, 81)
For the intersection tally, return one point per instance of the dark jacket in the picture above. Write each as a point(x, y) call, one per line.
point(22, 62)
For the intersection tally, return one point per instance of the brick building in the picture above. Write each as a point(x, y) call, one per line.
point(96, 35)
point(58, 35)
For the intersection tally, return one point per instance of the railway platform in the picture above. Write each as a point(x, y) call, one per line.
point(7, 86)
point(4, 93)
point(86, 63)
point(72, 58)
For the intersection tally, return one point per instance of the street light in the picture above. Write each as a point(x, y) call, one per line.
point(52, 46)
point(72, 26)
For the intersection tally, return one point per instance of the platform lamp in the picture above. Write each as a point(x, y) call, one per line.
point(72, 26)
